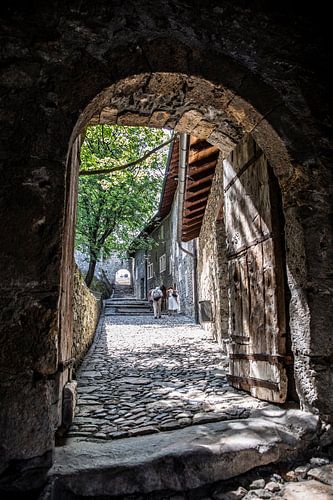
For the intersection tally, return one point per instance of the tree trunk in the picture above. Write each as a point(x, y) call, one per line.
point(107, 283)
point(91, 271)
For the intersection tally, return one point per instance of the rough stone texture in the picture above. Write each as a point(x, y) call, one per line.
point(179, 264)
point(109, 265)
point(144, 375)
point(181, 459)
point(61, 65)
point(212, 261)
point(68, 403)
point(86, 310)
point(323, 474)
point(309, 489)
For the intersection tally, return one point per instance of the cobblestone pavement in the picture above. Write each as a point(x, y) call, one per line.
point(144, 375)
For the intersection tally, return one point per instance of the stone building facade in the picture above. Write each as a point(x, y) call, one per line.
point(165, 263)
point(140, 284)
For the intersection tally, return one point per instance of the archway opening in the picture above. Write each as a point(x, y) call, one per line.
point(123, 277)
point(142, 101)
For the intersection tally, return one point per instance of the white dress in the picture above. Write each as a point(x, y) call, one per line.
point(172, 302)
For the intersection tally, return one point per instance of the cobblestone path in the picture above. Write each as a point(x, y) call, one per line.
point(144, 375)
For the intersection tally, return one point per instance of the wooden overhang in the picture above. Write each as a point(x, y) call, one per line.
point(202, 160)
point(170, 182)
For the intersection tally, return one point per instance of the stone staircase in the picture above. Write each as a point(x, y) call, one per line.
point(127, 306)
point(122, 291)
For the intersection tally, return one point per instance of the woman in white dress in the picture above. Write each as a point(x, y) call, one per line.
point(172, 297)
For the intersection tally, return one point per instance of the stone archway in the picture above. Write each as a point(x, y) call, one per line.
point(123, 277)
point(199, 107)
point(57, 60)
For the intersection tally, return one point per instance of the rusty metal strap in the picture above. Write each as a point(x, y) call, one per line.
point(250, 162)
point(63, 365)
point(240, 339)
point(269, 358)
point(255, 382)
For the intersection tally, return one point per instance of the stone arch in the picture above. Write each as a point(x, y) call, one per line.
point(273, 86)
point(217, 114)
point(123, 277)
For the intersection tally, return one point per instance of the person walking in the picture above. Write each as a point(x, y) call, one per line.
point(157, 295)
point(173, 300)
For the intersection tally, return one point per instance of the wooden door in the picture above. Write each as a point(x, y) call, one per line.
point(256, 275)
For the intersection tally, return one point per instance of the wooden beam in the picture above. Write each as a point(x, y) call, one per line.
point(203, 180)
point(254, 382)
point(269, 358)
point(194, 170)
point(196, 204)
point(196, 140)
point(264, 237)
point(204, 153)
point(196, 213)
point(189, 226)
point(191, 229)
point(190, 236)
point(189, 212)
point(198, 193)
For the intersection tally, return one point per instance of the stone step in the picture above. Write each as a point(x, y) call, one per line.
point(173, 460)
point(122, 300)
point(128, 313)
point(129, 305)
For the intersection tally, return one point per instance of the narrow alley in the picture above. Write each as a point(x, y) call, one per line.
point(144, 375)
point(156, 418)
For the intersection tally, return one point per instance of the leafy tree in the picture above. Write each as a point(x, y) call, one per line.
point(120, 193)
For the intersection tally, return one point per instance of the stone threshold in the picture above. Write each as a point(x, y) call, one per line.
point(183, 459)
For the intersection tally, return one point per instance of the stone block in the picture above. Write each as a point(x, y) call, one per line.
point(244, 113)
point(165, 83)
point(222, 141)
point(158, 119)
point(129, 86)
point(199, 90)
point(323, 474)
point(203, 129)
point(133, 120)
point(307, 490)
point(188, 121)
point(108, 115)
point(68, 405)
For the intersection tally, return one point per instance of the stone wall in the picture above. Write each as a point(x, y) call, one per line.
point(109, 265)
point(86, 311)
point(179, 265)
point(61, 66)
point(212, 264)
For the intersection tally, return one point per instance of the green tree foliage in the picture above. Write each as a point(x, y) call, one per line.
point(114, 207)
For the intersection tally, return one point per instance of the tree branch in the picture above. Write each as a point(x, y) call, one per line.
point(130, 164)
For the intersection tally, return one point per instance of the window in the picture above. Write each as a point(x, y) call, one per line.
point(162, 233)
point(150, 270)
point(162, 263)
point(170, 264)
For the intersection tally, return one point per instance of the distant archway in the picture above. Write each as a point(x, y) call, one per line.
point(123, 277)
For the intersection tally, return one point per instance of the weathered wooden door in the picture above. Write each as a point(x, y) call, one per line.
point(256, 277)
